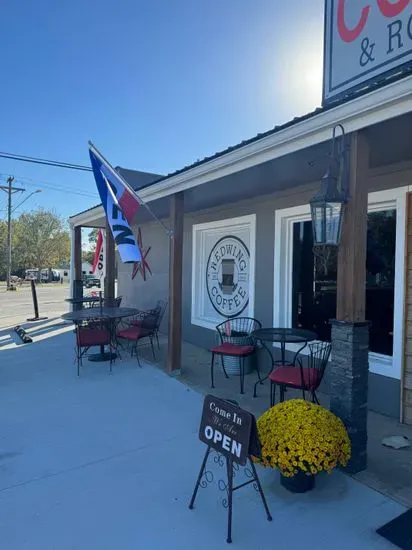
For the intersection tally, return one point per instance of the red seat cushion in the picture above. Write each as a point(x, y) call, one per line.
point(90, 337)
point(292, 376)
point(232, 349)
point(131, 333)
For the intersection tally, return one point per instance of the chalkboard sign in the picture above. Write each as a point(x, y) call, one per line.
point(232, 432)
point(229, 430)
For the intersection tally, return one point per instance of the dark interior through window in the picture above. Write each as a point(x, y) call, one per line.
point(314, 281)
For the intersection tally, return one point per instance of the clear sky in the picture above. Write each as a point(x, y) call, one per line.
point(155, 84)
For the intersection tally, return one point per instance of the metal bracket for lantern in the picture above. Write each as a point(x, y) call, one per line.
point(327, 206)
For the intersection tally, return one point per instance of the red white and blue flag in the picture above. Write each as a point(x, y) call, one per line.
point(99, 255)
point(120, 203)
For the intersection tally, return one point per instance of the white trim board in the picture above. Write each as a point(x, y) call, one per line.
point(283, 265)
point(198, 272)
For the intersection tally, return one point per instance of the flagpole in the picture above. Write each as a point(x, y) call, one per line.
point(130, 188)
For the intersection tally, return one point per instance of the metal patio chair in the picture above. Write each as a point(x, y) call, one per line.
point(306, 374)
point(90, 336)
point(135, 333)
point(158, 311)
point(228, 333)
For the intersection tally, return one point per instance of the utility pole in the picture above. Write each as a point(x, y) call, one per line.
point(9, 190)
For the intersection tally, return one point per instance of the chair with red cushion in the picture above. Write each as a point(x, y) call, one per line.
point(146, 328)
point(236, 341)
point(97, 334)
point(157, 312)
point(306, 375)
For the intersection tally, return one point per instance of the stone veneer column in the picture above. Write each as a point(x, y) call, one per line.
point(349, 385)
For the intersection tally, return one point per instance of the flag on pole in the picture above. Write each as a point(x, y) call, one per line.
point(99, 255)
point(120, 203)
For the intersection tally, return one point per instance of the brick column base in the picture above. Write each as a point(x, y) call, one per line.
point(349, 385)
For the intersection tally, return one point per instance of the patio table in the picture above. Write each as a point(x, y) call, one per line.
point(110, 314)
point(282, 336)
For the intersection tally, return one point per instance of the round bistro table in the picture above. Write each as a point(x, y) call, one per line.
point(282, 336)
point(110, 314)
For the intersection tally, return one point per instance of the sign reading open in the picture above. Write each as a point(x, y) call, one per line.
point(228, 429)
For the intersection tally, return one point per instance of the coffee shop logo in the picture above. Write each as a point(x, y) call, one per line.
point(227, 276)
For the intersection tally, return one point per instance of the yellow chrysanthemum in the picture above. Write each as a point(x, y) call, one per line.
point(298, 435)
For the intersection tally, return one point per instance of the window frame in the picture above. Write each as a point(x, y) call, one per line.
point(390, 199)
point(199, 259)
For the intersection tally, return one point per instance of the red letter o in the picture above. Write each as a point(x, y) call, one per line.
point(349, 35)
point(392, 10)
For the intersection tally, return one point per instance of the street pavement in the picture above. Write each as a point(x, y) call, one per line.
point(108, 462)
point(17, 306)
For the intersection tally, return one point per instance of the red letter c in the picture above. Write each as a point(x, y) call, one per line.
point(349, 35)
point(392, 10)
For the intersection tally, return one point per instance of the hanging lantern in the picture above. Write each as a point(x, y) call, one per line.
point(327, 205)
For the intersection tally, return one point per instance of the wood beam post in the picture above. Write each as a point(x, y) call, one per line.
point(351, 297)
point(78, 253)
point(350, 331)
point(109, 279)
point(174, 357)
point(76, 273)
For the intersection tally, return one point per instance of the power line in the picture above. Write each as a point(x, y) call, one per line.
point(46, 162)
point(53, 186)
point(60, 189)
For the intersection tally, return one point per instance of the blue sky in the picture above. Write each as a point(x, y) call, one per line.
point(156, 84)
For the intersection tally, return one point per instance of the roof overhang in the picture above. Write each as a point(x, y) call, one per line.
point(379, 105)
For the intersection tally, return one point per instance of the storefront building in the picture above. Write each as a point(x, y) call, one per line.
point(243, 236)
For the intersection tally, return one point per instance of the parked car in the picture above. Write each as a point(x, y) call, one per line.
point(91, 280)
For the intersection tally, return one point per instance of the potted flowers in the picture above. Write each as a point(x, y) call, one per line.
point(302, 439)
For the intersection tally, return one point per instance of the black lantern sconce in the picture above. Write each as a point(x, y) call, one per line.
point(327, 206)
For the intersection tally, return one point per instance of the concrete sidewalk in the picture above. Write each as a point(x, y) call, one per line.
point(109, 462)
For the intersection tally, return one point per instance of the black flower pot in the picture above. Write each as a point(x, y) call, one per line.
point(299, 483)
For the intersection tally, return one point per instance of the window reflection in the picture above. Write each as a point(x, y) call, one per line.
point(314, 281)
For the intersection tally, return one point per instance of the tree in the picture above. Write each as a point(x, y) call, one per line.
point(88, 256)
point(41, 240)
point(93, 236)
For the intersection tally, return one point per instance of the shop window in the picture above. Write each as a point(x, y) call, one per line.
point(314, 281)
point(305, 284)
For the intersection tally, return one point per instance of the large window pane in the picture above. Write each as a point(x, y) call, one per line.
point(314, 281)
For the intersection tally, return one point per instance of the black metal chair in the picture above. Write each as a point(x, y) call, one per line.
point(306, 374)
point(229, 333)
point(97, 334)
point(158, 312)
point(137, 331)
point(112, 302)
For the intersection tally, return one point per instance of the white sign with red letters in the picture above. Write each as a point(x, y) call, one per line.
point(365, 40)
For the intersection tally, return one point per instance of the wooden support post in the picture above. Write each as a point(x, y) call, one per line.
point(350, 332)
point(76, 282)
point(77, 253)
point(174, 357)
point(109, 280)
point(351, 297)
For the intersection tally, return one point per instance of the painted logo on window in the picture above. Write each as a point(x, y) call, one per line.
point(227, 276)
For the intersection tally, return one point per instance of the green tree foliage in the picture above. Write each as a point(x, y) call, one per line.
point(40, 240)
point(88, 256)
point(93, 236)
